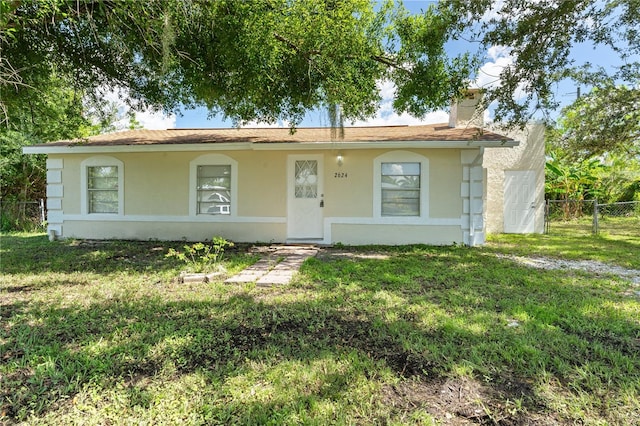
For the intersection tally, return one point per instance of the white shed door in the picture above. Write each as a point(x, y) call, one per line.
point(305, 197)
point(519, 201)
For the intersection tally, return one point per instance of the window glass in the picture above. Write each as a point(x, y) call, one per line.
point(102, 188)
point(400, 188)
point(214, 189)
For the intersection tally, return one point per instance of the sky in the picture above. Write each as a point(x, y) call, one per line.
point(496, 59)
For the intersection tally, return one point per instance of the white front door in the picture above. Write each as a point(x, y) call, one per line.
point(519, 201)
point(306, 197)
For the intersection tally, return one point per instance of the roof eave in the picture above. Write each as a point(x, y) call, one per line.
point(266, 146)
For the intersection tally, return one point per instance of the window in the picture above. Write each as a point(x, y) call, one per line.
point(400, 186)
point(214, 189)
point(102, 189)
point(102, 183)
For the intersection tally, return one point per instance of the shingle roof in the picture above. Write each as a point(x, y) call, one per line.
point(431, 132)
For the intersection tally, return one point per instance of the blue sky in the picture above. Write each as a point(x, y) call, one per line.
point(497, 58)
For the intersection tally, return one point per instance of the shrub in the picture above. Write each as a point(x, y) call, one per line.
point(202, 257)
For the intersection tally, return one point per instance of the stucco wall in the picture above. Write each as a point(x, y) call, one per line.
point(529, 155)
point(357, 234)
point(175, 231)
point(156, 199)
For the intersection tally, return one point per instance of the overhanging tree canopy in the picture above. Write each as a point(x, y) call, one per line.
point(255, 60)
point(275, 59)
point(605, 120)
point(543, 36)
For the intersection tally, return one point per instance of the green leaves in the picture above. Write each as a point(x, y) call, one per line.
point(259, 60)
point(573, 180)
point(200, 257)
point(544, 36)
point(271, 60)
point(595, 148)
point(427, 79)
point(274, 61)
point(605, 120)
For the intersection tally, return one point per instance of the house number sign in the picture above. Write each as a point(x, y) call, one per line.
point(340, 175)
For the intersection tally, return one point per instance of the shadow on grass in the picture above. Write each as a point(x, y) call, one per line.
point(424, 314)
point(35, 254)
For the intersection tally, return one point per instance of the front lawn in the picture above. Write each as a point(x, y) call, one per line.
point(100, 333)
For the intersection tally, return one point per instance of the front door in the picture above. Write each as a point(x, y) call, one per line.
point(305, 197)
point(519, 201)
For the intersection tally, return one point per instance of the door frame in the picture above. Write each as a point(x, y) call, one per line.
point(291, 210)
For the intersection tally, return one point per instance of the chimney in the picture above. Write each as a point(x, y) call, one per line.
point(466, 111)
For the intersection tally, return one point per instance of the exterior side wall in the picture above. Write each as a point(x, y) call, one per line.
point(529, 155)
point(156, 199)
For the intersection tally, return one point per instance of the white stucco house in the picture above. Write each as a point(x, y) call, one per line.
point(434, 184)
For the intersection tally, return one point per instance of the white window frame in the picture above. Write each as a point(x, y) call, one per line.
point(100, 161)
point(400, 157)
point(212, 160)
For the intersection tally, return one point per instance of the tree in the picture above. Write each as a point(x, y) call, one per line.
point(572, 182)
point(594, 148)
point(607, 120)
point(54, 112)
point(262, 60)
point(621, 178)
point(541, 36)
point(269, 60)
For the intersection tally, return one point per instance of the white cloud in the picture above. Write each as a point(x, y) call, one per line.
point(147, 117)
point(489, 73)
point(500, 58)
point(494, 11)
point(497, 51)
point(387, 89)
point(155, 120)
point(395, 119)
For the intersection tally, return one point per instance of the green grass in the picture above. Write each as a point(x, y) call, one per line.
point(100, 333)
point(618, 242)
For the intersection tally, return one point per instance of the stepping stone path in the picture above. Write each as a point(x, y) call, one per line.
point(278, 265)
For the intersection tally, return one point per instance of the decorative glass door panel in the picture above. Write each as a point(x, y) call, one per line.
point(306, 179)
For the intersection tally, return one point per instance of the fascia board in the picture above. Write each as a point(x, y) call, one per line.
point(262, 146)
point(381, 144)
point(103, 149)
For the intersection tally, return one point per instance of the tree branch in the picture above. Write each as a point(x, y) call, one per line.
point(295, 47)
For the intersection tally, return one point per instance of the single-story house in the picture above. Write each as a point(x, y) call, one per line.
point(434, 184)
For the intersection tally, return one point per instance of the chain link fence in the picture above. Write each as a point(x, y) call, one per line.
point(590, 217)
point(22, 215)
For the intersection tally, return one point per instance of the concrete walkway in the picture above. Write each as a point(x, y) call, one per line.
point(278, 265)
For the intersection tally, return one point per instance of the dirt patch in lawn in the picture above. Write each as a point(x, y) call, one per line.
point(464, 401)
point(582, 265)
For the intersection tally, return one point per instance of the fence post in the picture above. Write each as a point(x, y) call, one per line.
point(595, 217)
point(547, 220)
point(42, 214)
